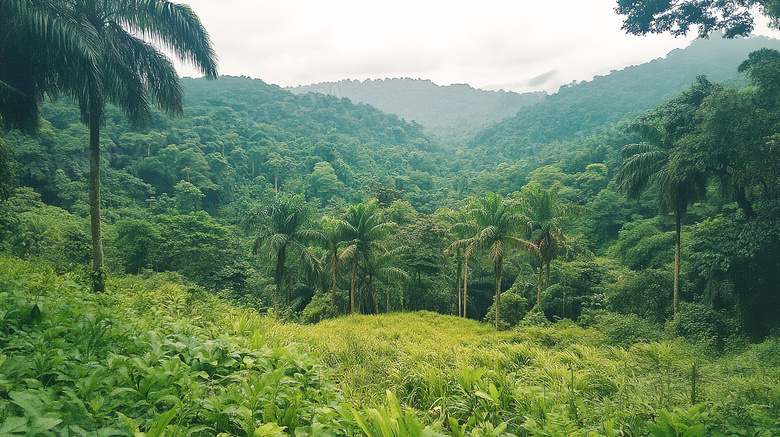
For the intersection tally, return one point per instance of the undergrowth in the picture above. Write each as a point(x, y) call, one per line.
point(157, 357)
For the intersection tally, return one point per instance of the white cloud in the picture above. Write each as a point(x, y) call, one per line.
point(501, 42)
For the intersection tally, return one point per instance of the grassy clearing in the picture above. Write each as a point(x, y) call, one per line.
point(156, 357)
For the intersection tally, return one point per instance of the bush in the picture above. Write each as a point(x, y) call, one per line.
point(318, 309)
point(646, 294)
point(624, 330)
point(513, 309)
point(703, 325)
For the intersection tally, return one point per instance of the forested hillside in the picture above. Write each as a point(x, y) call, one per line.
point(452, 112)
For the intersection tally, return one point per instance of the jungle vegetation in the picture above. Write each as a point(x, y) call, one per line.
point(282, 264)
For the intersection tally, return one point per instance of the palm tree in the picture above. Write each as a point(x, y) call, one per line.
point(464, 229)
point(333, 241)
point(378, 265)
point(100, 52)
point(497, 221)
point(37, 39)
point(655, 162)
point(548, 216)
point(362, 229)
point(282, 231)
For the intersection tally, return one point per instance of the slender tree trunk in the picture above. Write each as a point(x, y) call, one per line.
point(457, 282)
point(281, 258)
point(499, 271)
point(352, 288)
point(676, 301)
point(98, 278)
point(373, 295)
point(335, 277)
point(465, 285)
point(539, 285)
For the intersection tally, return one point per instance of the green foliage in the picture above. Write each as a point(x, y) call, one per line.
point(30, 229)
point(7, 171)
point(188, 197)
point(625, 330)
point(195, 245)
point(644, 293)
point(642, 245)
point(703, 326)
point(136, 240)
point(125, 364)
point(733, 17)
point(513, 309)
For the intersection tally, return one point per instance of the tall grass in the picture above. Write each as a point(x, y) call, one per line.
point(155, 355)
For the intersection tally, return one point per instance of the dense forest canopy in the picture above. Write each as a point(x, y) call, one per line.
point(628, 222)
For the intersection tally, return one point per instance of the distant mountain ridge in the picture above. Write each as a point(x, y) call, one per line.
point(448, 111)
point(508, 123)
point(581, 109)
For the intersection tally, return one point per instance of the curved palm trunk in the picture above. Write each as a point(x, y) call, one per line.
point(539, 285)
point(335, 277)
point(98, 275)
point(465, 285)
point(676, 301)
point(499, 266)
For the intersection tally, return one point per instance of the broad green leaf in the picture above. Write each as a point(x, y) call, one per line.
point(14, 425)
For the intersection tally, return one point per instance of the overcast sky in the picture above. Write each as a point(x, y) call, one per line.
point(518, 45)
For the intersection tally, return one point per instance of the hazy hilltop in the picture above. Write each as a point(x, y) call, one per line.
point(510, 125)
point(585, 107)
point(450, 112)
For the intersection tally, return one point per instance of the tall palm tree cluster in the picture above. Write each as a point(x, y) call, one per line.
point(98, 52)
point(283, 229)
point(355, 244)
point(531, 223)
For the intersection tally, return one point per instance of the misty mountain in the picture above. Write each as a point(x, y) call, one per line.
point(450, 112)
point(580, 109)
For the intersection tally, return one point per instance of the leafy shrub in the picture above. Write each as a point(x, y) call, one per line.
point(624, 330)
point(702, 325)
point(513, 309)
point(768, 352)
point(646, 293)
